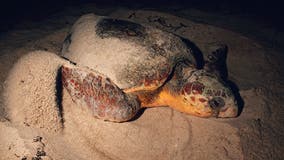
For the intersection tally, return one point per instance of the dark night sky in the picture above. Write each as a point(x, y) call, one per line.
point(13, 12)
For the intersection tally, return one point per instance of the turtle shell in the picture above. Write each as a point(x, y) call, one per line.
point(134, 56)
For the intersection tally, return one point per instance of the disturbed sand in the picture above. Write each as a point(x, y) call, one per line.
point(159, 133)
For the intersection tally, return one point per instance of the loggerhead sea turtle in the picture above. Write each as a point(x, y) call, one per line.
point(130, 66)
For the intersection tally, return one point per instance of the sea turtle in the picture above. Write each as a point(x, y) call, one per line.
point(124, 66)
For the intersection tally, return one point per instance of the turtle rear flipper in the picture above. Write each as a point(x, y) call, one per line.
point(99, 94)
point(215, 59)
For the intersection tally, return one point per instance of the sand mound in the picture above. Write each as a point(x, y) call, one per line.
point(33, 90)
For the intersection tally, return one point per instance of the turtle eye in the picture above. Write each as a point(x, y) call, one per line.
point(216, 102)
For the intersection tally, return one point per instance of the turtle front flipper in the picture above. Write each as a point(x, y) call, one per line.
point(99, 94)
point(215, 56)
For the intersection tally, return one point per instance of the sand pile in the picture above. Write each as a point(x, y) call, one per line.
point(159, 133)
point(33, 91)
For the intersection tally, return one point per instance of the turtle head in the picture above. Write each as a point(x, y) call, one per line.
point(207, 95)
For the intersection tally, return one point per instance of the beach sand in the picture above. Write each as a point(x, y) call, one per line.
point(158, 133)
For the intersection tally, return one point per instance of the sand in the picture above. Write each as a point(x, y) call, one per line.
point(158, 133)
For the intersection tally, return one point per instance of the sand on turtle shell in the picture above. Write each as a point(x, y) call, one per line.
point(159, 133)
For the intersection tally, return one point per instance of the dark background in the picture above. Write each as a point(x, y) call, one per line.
point(268, 12)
